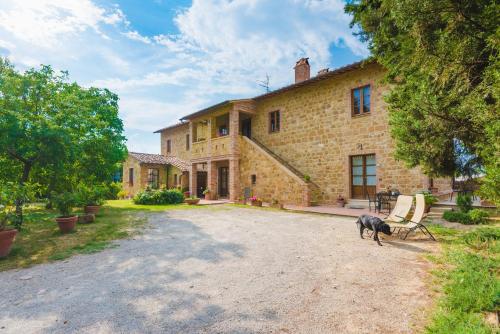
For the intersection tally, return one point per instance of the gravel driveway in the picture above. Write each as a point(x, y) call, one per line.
point(225, 270)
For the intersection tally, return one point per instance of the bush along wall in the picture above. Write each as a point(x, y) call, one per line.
point(466, 215)
point(160, 196)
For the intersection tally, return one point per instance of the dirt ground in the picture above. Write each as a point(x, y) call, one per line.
point(226, 270)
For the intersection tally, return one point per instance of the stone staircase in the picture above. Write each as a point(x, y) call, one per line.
point(357, 203)
point(437, 211)
point(314, 188)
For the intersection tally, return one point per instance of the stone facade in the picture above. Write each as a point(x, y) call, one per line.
point(177, 136)
point(140, 180)
point(268, 179)
point(317, 137)
point(319, 134)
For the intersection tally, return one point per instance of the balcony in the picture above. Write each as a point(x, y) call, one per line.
point(219, 146)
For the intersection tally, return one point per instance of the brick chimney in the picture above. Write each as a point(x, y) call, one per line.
point(302, 70)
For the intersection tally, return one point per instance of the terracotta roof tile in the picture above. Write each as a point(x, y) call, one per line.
point(148, 158)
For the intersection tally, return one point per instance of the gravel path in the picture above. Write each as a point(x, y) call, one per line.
point(225, 270)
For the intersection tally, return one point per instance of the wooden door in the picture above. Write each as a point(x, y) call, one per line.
point(201, 183)
point(223, 181)
point(363, 176)
point(246, 127)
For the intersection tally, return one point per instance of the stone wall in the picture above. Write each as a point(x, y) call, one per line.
point(131, 162)
point(177, 135)
point(140, 175)
point(318, 134)
point(182, 178)
point(273, 181)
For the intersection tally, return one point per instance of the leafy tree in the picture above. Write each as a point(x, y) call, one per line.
point(56, 133)
point(442, 59)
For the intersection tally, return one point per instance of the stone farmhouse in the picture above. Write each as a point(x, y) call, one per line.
point(306, 143)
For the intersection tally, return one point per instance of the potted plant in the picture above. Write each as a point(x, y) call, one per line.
point(255, 201)
point(206, 193)
point(187, 194)
point(340, 201)
point(64, 203)
point(7, 235)
point(90, 198)
point(193, 200)
point(430, 199)
point(86, 218)
point(9, 193)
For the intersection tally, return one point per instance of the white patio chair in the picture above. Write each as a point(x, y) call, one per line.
point(415, 222)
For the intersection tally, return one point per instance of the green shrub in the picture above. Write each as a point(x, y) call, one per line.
point(113, 190)
point(64, 203)
point(430, 199)
point(121, 194)
point(483, 238)
point(464, 202)
point(457, 216)
point(90, 194)
point(478, 216)
point(162, 196)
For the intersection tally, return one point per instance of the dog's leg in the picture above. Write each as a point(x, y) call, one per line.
point(361, 228)
point(375, 237)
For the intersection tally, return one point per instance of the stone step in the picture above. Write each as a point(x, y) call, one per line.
point(357, 203)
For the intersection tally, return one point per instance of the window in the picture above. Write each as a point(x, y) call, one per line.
point(254, 179)
point(153, 178)
point(131, 176)
point(169, 146)
point(360, 100)
point(175, 180)
point(187, 142)
point(274, 121)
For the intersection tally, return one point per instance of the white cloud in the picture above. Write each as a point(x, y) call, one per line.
point(221, 50)
point(135, 36)
point(45, 23)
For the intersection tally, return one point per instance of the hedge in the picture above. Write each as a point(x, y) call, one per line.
point(161, 196)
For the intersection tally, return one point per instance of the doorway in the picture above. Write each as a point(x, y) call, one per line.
point(223, 181)
point(246, 127)
point(201, 183)
point(363, 176)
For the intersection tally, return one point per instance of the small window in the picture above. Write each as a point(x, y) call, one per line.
point(187, 142)
point(153, 178)
point(169, 146)
point(361, 100)
point(254, 179)
point(274, 121)
point(175, 180)
point(131, 176)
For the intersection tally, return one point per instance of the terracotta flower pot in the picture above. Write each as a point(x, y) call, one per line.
point(94, 209)
point(256, 203)
point(86, 218)
point(6, 240)
point(192, 201)
point(67, 224)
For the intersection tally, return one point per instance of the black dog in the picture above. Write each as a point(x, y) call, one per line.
point(374, 224)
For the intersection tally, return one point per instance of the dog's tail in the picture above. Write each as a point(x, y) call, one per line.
point(359, 222)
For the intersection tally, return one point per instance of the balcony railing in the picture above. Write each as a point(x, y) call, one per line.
point(220, 146)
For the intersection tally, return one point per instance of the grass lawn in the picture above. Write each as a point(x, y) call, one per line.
point(466, 280)
point(40, 240)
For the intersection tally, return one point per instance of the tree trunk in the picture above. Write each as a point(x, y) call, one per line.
point(20, 201)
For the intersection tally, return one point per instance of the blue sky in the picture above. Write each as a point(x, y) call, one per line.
point(168, 58)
